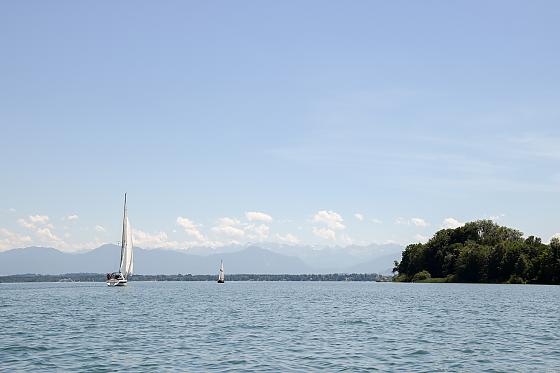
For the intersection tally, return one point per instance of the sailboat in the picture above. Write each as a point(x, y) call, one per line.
point(120, 278)
point(221, 279)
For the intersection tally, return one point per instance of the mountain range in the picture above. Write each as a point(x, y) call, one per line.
point(274, 259)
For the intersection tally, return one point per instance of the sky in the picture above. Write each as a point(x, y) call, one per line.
point(297, 122)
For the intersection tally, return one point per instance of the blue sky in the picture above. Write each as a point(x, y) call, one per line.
point(405, 113)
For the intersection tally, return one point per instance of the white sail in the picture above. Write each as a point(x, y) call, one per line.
point(221, 274)
point(127, 263)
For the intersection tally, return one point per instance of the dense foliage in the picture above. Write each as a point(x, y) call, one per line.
point(482, 251)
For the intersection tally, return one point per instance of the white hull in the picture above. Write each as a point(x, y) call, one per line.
point(114, 282)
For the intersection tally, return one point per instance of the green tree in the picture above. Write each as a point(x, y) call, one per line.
point(472, 264)
point(422, 275)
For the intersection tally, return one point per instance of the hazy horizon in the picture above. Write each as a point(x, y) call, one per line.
point(237, 259)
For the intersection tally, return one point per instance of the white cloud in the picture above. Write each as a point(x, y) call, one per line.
point(333, 222)
point(400, 220)
point(24, 223)
point(344, 239)
point(326, 233)
point(46, 235)
point(41, 219)
point(359, 216)
point(329, 218)
point(11, 209)
point(34, 221)
point(258, 216)
point(257, 232)
point(10, 240)
point(228, 227)
point(43, 235)
point(227, 222)
point(262, 231)
point(190, 228)
point(451, 223)
point(228, 230)
point(420, 238)
point(72, 217)
point(156, 240)
point(376, 221)
point(419, 222)
point(40, 225)
point(288, 238)
point(391, 242)
point(99, 228)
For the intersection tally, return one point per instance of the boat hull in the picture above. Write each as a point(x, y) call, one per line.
point(221, 281)
point(115, 282)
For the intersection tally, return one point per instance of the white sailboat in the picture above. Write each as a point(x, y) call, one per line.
point(120, 278)
point(221, 278)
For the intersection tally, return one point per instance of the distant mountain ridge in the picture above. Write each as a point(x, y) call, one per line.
point(250, 260)
point(376, 258)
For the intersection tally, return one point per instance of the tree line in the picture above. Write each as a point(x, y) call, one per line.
point(481, 251)
point(100, 277)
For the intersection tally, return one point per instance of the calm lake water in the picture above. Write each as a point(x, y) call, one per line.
point(279, 326)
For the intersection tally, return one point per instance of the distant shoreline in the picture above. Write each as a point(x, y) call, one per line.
point(100, 277)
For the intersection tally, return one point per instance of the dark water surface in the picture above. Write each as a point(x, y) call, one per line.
point(279, 326)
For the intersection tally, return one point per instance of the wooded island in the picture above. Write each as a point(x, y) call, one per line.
point(481, 251)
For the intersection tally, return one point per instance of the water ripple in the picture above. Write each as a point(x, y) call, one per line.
point(283, 326)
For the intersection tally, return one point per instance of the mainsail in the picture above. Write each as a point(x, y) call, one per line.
point(221, 274)
point(126, 245)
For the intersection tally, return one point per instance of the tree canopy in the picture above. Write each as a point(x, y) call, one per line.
point(482, 251)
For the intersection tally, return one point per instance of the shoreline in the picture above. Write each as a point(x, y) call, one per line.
point(100, 277)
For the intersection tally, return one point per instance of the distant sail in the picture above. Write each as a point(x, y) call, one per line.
point(127, 264)
point(221, 274)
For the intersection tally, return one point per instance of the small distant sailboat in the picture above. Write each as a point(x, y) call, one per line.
point(221, 278)
point(121, 278)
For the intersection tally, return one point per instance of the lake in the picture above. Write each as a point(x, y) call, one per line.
point(279, 326)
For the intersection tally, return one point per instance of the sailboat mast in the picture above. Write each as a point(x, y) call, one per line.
point(124, 238)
